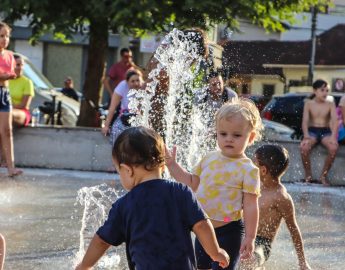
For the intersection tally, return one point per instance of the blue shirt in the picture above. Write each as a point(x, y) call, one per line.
point(155, 219)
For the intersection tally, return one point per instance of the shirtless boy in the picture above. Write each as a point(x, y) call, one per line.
point(275, 204)
point(319, 125)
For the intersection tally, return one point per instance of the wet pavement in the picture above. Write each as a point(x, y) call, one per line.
point(41, 221)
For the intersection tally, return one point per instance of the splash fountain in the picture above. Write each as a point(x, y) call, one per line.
point(46, 227)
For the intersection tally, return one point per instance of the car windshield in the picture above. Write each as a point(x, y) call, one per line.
point(37, 78)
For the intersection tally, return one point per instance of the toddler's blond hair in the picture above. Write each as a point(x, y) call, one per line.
point(247, 109)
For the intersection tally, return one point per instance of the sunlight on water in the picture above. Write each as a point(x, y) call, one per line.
point(96, 202)
point(186, 121)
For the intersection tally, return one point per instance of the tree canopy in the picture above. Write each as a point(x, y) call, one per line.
point(65, 17)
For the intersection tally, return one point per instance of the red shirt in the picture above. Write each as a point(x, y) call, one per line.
point(118, 72)
point(7, 62)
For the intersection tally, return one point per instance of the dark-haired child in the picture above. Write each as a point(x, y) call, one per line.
point(156, 217)
point(275, 204)
point(319, 125)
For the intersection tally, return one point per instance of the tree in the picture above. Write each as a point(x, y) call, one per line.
point(63, 17)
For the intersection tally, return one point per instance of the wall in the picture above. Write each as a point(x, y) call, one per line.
point(258, 82)
point(83, 149)
point(87, 149)
point(62, 61)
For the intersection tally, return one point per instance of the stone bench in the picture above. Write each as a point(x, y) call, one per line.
point(87, 149)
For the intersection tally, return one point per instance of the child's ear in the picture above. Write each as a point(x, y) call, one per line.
point(263, 170)
point(127, 169)
point(251, 137)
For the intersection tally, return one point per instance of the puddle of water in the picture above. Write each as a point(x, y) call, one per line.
point(41, 222)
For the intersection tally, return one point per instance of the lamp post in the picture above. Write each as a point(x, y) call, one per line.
point(313, 45)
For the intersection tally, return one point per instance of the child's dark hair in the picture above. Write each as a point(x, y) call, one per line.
point(316, 85)
point(139, 146)
point(319, 83)
point(274, 157)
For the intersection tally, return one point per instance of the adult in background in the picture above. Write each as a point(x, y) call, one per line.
point(217, 94)
point(68, 89)
point(209, 103)
point(133, 80)
point(117, 71)
point(22, 92)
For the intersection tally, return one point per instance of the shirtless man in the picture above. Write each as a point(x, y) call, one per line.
point(275, 204)
point(319, 125)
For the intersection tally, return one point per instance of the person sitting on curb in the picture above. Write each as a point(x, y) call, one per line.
point(22, 93)
point(68, 89)
point(319, 125)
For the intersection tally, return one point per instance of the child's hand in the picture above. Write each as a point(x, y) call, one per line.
point(222, 258)
point(247, 248)
point(170, 156)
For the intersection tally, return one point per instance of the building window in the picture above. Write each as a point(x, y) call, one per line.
point(245, 89)
point(268, 90)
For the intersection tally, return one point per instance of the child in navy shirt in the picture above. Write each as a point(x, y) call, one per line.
point(156, 217)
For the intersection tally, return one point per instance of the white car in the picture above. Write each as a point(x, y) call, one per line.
point(274, 131)
point(44, 92)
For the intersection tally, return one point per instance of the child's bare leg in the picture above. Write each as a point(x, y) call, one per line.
point(7, 142)
point(306, 146)
point(332, 150)
point(2, 251)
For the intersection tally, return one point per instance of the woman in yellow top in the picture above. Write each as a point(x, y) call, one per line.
point(227, 183)
point(22, 92)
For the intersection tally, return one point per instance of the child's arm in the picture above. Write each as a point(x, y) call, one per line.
point(205, 233)
point(288, 211)
point(7, 76)
point(251, 218)
point(94, 252)
point(115, 101)
point(179, 173)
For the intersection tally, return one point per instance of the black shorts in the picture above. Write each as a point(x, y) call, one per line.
point(5, 100)
point(266, 245)
point(319, 132)
point(229, 238)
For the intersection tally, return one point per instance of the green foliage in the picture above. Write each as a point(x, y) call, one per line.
point(138, 17)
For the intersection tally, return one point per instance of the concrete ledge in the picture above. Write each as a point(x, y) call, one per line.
point(83, 149)
point(87, 149)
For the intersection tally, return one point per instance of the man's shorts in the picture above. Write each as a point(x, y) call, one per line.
point(262, 249)
point(5, 99)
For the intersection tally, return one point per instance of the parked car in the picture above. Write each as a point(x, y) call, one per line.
point(275, 131)
point(287, 109)
point(44, 92)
